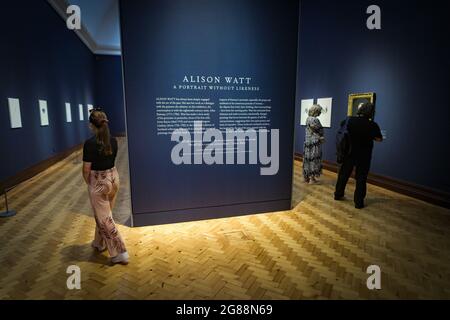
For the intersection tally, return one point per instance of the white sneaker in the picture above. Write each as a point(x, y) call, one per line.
point(121, 258)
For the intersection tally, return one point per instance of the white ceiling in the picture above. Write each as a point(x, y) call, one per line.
point(100, 23)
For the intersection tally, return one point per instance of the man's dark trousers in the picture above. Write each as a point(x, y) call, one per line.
point(362, 162)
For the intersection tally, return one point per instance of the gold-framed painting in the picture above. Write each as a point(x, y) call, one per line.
point(355, 99)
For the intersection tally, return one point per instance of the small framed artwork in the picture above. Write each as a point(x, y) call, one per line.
point(43, 110)
point(325, 116)
point(356, 99)
point(305, 106)
point(68, 112)
point(15, 117)
point(81, 112)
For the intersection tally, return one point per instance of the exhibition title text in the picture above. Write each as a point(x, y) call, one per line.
point(216, 80)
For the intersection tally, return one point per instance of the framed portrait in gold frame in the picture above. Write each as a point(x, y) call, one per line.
point(355, 99)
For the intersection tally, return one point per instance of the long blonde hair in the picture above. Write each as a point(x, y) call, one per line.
point(99, 122)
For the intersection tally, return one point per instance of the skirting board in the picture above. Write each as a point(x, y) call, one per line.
point(423, 193)
point(39, 167)
point(219, 212)
point(30, 172)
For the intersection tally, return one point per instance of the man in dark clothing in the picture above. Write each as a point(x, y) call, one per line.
point(363, 132)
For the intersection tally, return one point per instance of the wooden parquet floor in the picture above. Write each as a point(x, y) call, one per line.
point(318, 250)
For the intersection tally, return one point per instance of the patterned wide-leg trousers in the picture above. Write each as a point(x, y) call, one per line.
point(103, 188)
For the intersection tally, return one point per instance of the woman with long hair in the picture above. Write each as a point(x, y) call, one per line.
point(102, 178)
point(312, 153)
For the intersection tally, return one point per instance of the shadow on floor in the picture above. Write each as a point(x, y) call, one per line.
point(297, 199)
point(370, 202)
point(394, 203)
point(84, 253)
point(119, 218)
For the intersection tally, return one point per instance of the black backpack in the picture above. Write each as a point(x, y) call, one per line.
point(343, 142)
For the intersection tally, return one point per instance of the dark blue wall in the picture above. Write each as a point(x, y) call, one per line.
point(406, 64)
point(163, 41)
point(40, 59)
point(109, 90)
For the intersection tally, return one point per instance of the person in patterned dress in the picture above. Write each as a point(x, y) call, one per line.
point(312, 152)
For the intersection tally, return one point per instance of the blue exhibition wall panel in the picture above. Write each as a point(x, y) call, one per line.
point(406, 63)
point(109, 90)
point(179, 55)
point(40, 59)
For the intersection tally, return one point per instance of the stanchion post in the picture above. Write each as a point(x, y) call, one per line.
point(8, 213)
